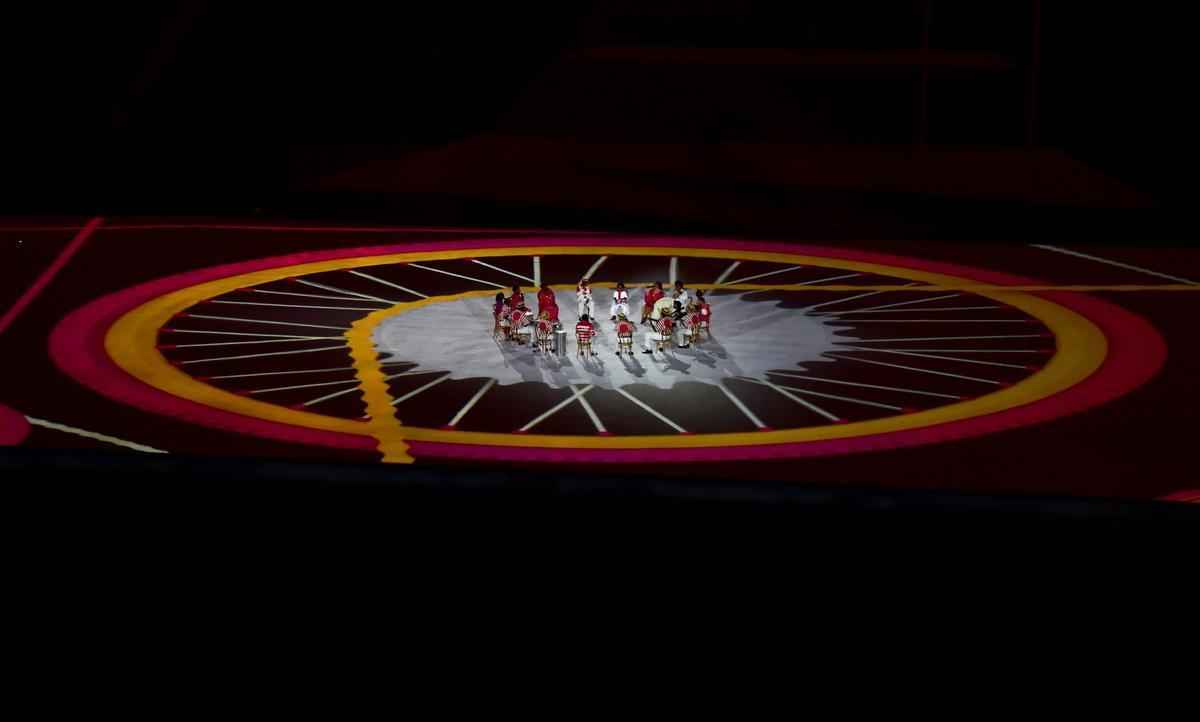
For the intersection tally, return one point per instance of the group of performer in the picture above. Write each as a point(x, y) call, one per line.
point(680, 318)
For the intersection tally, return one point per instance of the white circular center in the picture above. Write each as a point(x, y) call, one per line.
point(749, 339)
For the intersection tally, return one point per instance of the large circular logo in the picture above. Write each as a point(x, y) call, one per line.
point(813, 351)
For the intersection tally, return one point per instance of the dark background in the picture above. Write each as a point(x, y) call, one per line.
point(200, 106)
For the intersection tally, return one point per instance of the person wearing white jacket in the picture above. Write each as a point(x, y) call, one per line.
point(620, 304)
point(583, 294)
point(680, 294)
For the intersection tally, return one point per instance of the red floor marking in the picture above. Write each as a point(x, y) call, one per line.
point(1188, 495)
point(13, 427)
point(315, 229)
point(49, 274)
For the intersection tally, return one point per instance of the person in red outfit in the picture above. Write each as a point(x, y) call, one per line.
point(653, 293)
point(500, 312)
point(517, 299)
point(584, 333)
point(546, 298)
point(624, 335)
point(704, 313)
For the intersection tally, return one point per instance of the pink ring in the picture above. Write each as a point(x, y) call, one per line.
point(13, 427)
point(1136, 352)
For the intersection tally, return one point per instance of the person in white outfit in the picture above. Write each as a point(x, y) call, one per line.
point(620, 304)
point(583, 294)
point(680, 294)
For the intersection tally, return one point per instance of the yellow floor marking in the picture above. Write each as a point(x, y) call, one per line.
point(131, 340)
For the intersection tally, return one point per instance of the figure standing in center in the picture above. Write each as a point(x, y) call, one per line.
point(583, 294)
point(620, 304)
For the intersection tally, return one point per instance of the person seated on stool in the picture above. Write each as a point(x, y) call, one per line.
point(679, 315)
point(584, 332)
point(544, 327)
point(498, 309)
point(522, 318)
point(663, 308)
point(680, 294)
point(704, 310)
point(624, 331)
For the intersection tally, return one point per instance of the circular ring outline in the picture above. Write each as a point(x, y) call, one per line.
point(131, 343)
point(1133, 360)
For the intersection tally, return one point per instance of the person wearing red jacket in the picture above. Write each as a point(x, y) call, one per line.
point(584, 333)
point(701, 317)
point(624, 335)
point(498, 313)
point(653, 293)
point(546, 298)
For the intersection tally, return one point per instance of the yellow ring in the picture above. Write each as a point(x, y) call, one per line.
point(131, 341)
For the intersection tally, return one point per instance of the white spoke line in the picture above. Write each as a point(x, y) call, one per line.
point(334, 395)
point(504, 270)
point(763, 275)
point(895, 305)
point(851, 298)
point(471, 404)
point(456, 275)
point(343, 392)
point(280, 373)
point(944, 338)
point(305, 295)
point(865, 386)
point(240, 333)
point(335, 383)
point(537, 270)
point(416, 391)
point(247, 343)
point(304, 386)
point(673, 270)
point(270, 323)
point(302, 371)
point(1118, 264)
point(595, 266)
point(577, 393)
point(335, 289)
point(591, 413)
point(741, 407)
point(726, 273)
point(914, 368)
point(388, 283)
point(261, 355)
point(939, 358)
point(294, 305)
point(94, 435)
point(810, 406)
point(826, 396)
point(645, 407)
point(825, 280)
point(841, 314)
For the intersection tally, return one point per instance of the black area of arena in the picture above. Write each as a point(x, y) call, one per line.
point(123, 494)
